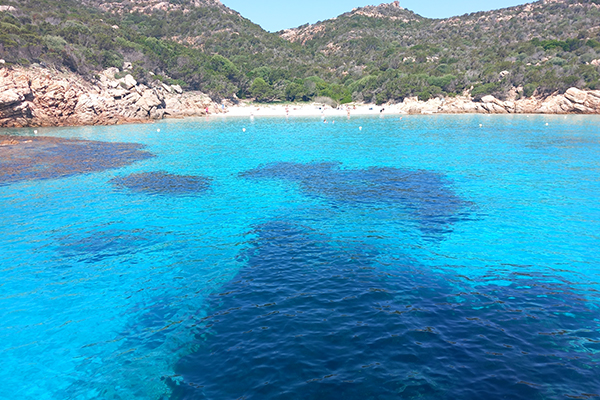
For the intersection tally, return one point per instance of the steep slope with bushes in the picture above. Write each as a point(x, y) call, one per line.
point(376, 54)
point(388, 53)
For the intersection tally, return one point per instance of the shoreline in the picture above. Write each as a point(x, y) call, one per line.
point(305, 110)
point(37, 97)
point(277, 111)
point(362, 111)
point(573, 102)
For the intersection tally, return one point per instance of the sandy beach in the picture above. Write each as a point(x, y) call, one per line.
point(573, 101)
point(307, 110)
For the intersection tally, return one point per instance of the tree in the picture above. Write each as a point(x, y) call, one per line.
point(223, 66)
point(261, 90)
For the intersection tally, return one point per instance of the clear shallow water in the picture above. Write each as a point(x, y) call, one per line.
point(418, 258)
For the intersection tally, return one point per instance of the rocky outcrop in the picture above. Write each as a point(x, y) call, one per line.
point(574, 101)
point(45, 97)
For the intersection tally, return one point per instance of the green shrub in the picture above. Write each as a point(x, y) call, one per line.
point(111, 59)
point(223, 66)
point(7, 41)
point(529, 89)
point(6, 27)
point(346, 99)
point(54, 43)
point(425, 95)
point(126, 44)
point(441, 81)
point(482, 90)
point(593, 43)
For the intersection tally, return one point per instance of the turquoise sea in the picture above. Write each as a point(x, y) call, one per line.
point(423, 257)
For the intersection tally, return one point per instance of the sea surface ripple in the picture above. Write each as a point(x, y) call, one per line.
point(423, 257)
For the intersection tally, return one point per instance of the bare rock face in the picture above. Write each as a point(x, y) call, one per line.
point(10, 97)
point(574, 101)
point(149, 99)
point(488, 99)
point(44, 97)
point(593, 99)
point(576, 96)
point(15, 94)
point(177, 89)
point(190, 104)
point(129, 82)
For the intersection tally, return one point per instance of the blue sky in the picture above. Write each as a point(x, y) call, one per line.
point(274, 15)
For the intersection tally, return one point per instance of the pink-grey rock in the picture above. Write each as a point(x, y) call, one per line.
point(488, 99)
point(149, 100)
point(129, 82)
point(576, 96)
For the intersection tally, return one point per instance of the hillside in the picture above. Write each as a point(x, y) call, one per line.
point(387, 52)
point(200, 44)
point(373, 54)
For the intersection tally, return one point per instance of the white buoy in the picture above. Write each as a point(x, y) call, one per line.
point(360, 128)
point(546, 124)
point(243, 129)
point(158, 130)
point(480, 125)
point(35, 132)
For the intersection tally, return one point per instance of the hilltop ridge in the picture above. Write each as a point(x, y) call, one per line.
point(389, 11)
point(389, 53)
point(150, 6)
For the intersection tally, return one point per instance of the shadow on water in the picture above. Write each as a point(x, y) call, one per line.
point(308, 319)
point(163, 183)
point(36, 158)
point(427, 195)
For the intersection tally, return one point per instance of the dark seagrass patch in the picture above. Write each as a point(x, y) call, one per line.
point(160, 182)
point(24, 158)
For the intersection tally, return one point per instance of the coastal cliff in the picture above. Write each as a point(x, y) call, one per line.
point(48, 97)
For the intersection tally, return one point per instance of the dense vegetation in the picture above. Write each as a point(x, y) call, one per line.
point(374, 54)
point(207, 48)
point(539, 48)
